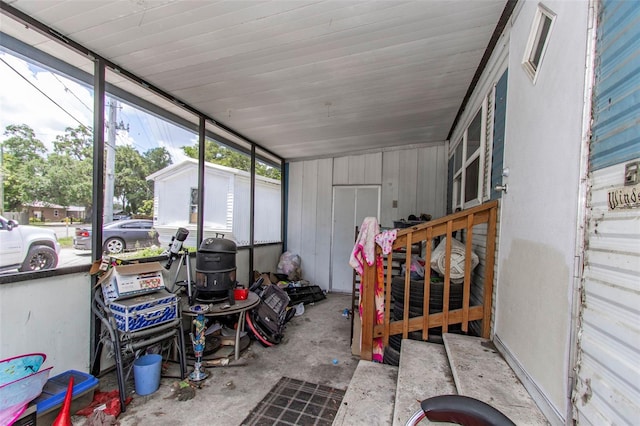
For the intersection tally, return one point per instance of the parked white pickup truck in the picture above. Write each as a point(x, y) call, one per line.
point(27, 248)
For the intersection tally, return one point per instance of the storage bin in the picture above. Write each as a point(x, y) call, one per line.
point(50, 401)
point(145, 311)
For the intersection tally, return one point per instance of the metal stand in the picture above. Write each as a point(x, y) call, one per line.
point(126, 345)
point(184, 261)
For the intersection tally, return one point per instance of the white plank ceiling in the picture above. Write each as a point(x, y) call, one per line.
point(304, 79)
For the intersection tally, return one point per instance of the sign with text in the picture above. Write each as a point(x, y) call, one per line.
point(624, 197)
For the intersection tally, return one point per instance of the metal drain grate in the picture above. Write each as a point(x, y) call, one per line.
point(294, 402)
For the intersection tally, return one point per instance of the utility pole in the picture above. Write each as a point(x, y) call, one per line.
point(110, 159)
point(110, 162)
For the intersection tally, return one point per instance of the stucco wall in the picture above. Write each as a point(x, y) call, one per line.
point(539, 213)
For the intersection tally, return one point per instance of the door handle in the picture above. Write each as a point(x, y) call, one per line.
point(502, 188)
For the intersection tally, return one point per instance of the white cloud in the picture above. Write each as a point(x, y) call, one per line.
point(22, 103)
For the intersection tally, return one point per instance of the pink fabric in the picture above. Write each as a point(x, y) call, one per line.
point(385, 240)
point(364, 250)
point(378, 344)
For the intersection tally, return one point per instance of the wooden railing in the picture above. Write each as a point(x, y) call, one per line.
point(427, 233)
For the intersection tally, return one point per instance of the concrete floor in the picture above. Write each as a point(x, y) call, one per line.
point(311, 343)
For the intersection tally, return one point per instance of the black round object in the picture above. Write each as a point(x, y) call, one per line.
point(391, 356)
point(436, 294)
point(215, 268)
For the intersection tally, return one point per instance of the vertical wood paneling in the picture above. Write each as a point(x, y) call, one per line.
point(431, 181)
point(398, 172)
point(309, 213)
point(357, 166)
point(294, 212)
point(440, 200)
point(373, 169)
point(408, 179)
point(390, 171)
point(341, 171)
point(323, 224)
point(425, 191)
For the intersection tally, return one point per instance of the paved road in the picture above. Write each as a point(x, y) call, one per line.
point(71, 257)
point(64, 231)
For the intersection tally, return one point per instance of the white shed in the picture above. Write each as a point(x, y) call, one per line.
point(226, 203)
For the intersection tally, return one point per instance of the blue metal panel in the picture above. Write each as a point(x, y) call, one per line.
point(615, 134)
point(499, 119)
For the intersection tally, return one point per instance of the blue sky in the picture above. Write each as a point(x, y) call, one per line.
point(22, 103)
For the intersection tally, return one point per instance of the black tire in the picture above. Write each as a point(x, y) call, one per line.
point(395, 341)
point(114, 246)
point(39, 258)
point(398, 312)
point(436, 294)
point(391, 356)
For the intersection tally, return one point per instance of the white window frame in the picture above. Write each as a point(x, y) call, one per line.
point(458, 188)
point(535, 38)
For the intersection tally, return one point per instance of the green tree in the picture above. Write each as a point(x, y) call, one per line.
point(154, 160)
point(76, 143)
point(157, 158)
point(69, 175)
point(218, 154)
point(23, 165)
point(130, 182)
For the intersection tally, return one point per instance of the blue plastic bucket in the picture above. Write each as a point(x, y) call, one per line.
point(146, 373)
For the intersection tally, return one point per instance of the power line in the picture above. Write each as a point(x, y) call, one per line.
point(43, 94)
point(66, 89)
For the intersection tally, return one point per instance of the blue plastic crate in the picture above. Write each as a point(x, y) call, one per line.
point(53, 393)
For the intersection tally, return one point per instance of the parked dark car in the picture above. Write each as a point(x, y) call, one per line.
point(120, 236)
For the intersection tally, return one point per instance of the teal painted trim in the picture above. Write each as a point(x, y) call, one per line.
point(615, 133)
point(499, 125)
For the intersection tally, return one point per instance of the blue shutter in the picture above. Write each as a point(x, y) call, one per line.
point(615, 136)
point(499, 117)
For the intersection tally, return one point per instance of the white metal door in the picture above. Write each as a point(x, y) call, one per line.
point(351, 204)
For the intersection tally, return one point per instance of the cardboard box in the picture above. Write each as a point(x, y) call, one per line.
point(144, 311)
point(123, 281)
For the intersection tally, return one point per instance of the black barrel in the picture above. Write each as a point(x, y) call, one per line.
point(216, 269)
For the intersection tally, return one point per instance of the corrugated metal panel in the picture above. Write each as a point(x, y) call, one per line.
point(498, 134)
point(607, 389)
point(616, 109)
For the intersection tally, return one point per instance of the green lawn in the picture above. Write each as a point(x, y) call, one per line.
point(66, 242)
